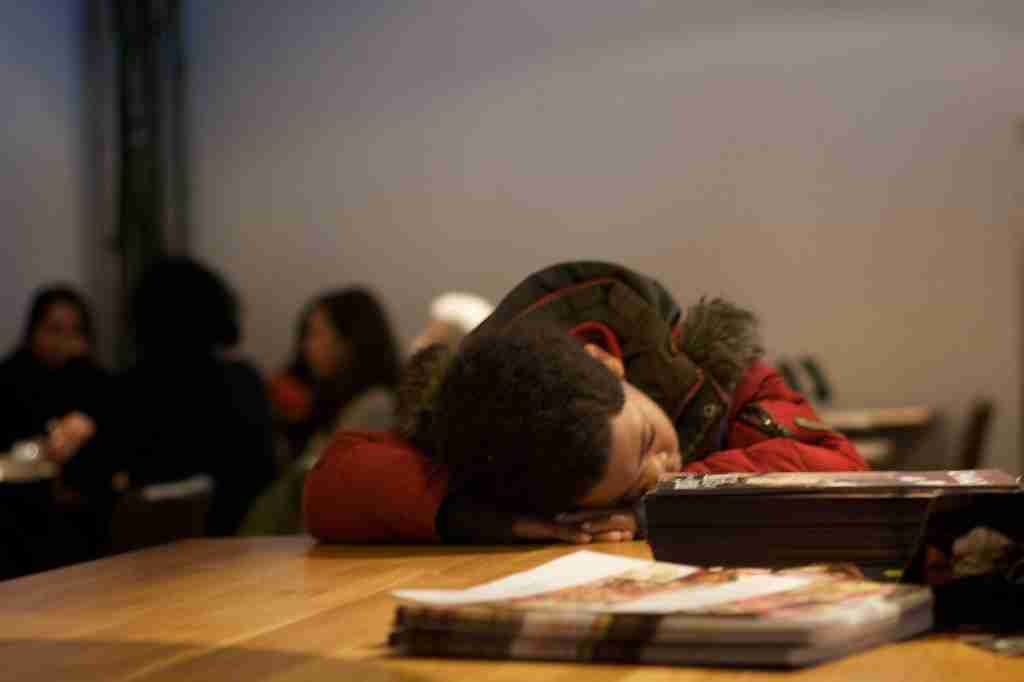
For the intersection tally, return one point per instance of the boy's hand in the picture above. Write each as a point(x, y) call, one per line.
point(603, 525)
point(466, 520)
point(532, 528)
point(463, 519)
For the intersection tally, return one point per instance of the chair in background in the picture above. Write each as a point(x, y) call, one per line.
point(979, 422)
point(162, 513)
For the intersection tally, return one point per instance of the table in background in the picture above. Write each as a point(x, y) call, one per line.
point(879, 432)
point(288, 609)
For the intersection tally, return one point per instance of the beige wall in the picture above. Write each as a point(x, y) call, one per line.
point(41, 154)
point(853, 175)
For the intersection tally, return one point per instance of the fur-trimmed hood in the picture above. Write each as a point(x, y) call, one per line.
point(722, 338)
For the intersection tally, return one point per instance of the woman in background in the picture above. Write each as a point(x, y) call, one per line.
point(343, 376)
point(53, 392)
point(51, 384)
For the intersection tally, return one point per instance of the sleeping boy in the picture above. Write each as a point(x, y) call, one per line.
point(553, 418)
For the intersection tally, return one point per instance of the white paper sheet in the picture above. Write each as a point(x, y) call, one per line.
point(703, 596)
point(577, 568)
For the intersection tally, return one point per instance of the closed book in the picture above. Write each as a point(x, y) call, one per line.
point(786, 519)
point(811, 482)
point(598, 607)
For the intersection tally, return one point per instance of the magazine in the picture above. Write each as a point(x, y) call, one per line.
point(595, 606)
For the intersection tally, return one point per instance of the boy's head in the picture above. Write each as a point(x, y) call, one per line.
point(535, 422)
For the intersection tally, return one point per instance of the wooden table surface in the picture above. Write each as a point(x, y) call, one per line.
point(877, 418)
point(288, 609)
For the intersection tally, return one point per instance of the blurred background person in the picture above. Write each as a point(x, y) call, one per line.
point(343, 376)
point(343, 373)
point(53, 395)
point(186, 407)
point(51, 384)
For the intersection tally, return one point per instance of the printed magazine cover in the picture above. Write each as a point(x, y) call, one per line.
point(594, 602)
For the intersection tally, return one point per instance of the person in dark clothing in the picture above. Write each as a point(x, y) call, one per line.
point(54, 394)
point(51, 379)
point(186, 408)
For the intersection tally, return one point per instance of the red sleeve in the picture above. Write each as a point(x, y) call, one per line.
point(373, 487)
point(810, 448)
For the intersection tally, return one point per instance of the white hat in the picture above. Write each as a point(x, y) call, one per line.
point(461, 309)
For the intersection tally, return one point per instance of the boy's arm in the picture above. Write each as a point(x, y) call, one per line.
point(774, 428)
point(373, 487)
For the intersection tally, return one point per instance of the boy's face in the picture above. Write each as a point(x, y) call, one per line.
point(644, 445)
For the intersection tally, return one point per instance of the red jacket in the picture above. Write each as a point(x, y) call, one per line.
point(375, 487)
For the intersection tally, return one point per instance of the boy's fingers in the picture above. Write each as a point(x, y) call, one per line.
point(613, 536)
point(620, 522)
point(583, 515)
point(535, 529)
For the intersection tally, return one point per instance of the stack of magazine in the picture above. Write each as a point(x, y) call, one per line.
point(591, 606)
point(872, 518)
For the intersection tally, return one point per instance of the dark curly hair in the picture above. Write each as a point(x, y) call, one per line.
point(521, 418)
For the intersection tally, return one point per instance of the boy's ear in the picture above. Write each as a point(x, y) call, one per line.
point(607, 359)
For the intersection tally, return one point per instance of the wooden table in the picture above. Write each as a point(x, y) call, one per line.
point(288, 609)
point(878, 433)
point(877, 418)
